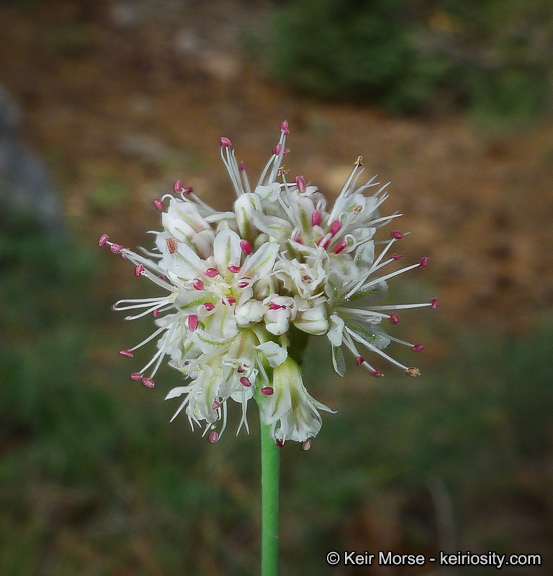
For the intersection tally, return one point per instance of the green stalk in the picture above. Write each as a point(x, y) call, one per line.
point(270, 460)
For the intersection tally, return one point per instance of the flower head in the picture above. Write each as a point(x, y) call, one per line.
point(235, 284)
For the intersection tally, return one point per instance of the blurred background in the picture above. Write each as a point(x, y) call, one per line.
point(103, 105)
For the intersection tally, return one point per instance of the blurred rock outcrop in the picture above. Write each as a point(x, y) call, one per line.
point(26, 189)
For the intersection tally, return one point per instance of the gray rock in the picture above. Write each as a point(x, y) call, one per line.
point(25, 186)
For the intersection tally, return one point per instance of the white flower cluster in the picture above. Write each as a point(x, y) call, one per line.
point(237, 284)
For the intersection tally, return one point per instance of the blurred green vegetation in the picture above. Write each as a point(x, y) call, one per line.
point(94, 480)
point(492, 57)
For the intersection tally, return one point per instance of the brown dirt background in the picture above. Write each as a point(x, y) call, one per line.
point(140, 92)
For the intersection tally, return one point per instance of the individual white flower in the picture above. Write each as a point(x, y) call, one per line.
point(292, 413)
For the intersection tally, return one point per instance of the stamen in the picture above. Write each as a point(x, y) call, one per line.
point(192, 322)
point(412, 371)
point(335, 227)
point(211, 272)
point(396, 256)
point(216, 405)
point(139, 269)
point(116, 248)
point(245, 282)
point(340, 246)
point(277, 149)
point(198, 284)
point(434, 303)
point(177, 187)
point(103, 240)
point(423, 262)
point(418, 347)
point(126, 353)
point(267, 391)
point(316, 217)
point(158, 204)
point(172, 245)
point(306, 444)
point(245, 381)
point(246, 247)
point(360, 360)
point(233, 269)
point(225, 142)
point(213, 437)
point(397, 235)
point(209, 306)
point(394, 318)
point(279, 442)
point(376, 373)
point(230, 300)
point(301, 184)
point(284, 127)
point(136, 376)
point(188, 190)
point(156, 313)
point(148, 382)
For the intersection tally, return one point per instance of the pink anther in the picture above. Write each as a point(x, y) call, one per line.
point(148, 382)
point(198, 284)
point(177, 187)
point(103, 240)
point(192, 322)
point(213, 437)
point(225, 142)
point(394, 318)
point(216, 405)
point(335, 227)
point(396, 234)
point(233, 269)
point(423, 262)
point(126, 353)
point(418, 347)
point(396, 256)
point(340, 246)
point(376, 373)
point(434, 303)
point(156, 313)
point(301, 184)
point(209, 306)
point(245, 282)
point(136, 376)
point(139, 269)
point(211, 272)
point(359, 360)
point(158, 204)
point(246, 247)
point(316, 217)
point(267, 391)
point(116, 248)
point(245, 381)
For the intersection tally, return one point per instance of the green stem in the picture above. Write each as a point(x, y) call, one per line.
point(270, 459)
